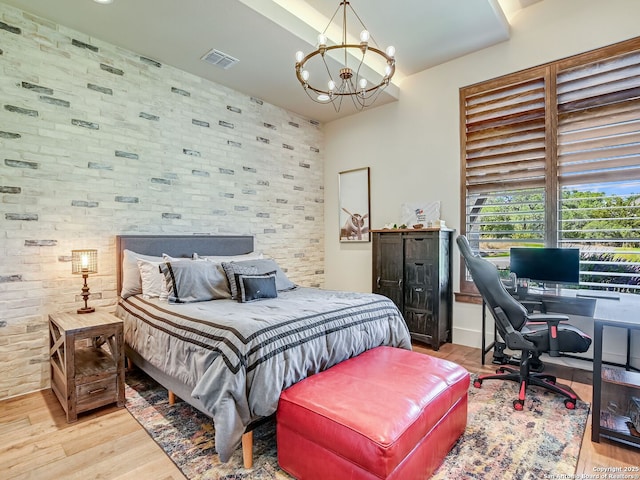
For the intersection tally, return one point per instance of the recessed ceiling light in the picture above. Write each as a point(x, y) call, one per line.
point(104, 2)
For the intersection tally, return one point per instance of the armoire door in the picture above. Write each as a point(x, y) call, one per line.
point(421, 282)
point(388, 267)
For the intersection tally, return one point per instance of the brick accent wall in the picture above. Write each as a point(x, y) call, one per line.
point(99, 141)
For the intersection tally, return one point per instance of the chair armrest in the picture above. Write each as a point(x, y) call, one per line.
point(552, 320)
point(531, 305)
point(548, 318)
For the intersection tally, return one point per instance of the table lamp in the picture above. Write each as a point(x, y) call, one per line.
point(84, 262)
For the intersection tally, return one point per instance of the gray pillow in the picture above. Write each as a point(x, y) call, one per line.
point(194, 281)
point(231, 268)
point(256, 287)
point(266, 265)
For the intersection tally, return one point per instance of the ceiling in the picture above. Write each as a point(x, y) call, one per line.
point(265, 34)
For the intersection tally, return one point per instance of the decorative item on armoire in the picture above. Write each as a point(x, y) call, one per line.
point(426, 214)
point(84, 262)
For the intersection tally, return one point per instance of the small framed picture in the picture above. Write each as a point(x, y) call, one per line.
point(355, 218)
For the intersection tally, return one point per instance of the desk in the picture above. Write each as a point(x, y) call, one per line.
point(615, 386)
point(563, 301)
point(586, 308)
point(614, 425)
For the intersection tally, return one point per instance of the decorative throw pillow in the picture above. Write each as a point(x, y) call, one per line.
point(189, 281)
point(266, 265)
point(231, 268)
point(256, 287)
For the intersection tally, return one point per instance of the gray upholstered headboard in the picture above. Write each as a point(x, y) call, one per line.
point(181, 246)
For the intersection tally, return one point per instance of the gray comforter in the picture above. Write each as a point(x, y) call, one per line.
point(238, 357)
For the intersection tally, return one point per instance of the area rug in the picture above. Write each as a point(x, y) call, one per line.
point(542, 441)
point(499, 443)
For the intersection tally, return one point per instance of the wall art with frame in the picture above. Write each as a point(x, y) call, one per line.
point(354, 205)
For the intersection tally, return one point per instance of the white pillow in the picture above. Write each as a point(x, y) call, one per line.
point(228, 258)
point(131, 279)
point(152, 280)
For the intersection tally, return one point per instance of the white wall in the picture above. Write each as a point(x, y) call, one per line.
point(412, 146)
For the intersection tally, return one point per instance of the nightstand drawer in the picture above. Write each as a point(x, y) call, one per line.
point(95, 394)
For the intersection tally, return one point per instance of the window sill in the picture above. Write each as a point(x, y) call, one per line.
point(464, 297)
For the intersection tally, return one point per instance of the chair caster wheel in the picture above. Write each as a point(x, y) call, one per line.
point(570, 404)
point(518, 405)
point(477, 383)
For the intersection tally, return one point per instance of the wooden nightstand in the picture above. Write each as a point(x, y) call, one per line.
point(87, 360)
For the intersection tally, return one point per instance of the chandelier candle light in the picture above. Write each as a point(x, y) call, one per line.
point(347, 82)
point(84, 262)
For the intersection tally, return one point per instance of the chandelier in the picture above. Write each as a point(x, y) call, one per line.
point(348, 81)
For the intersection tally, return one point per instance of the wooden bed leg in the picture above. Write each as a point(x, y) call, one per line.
point(247, 449)
point(172, 397)
point(129, 365)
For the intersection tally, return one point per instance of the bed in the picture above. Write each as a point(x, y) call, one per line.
point(232, 360)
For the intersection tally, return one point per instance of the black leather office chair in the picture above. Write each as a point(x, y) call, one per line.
point(532, 334)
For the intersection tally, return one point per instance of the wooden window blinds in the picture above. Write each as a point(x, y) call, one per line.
point(551, 156)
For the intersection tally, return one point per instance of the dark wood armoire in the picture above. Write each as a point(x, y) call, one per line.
point(413, 268)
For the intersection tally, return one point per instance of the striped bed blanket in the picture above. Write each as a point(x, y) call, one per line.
point(238, 357)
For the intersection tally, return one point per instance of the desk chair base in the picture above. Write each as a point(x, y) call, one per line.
point(525, 378)
point(501, 358)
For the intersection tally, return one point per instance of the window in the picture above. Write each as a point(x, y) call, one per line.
point(551, 157)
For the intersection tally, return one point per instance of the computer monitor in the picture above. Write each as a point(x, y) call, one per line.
point(547, 265)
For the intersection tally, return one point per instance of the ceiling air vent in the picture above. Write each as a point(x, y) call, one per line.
point(219, 59)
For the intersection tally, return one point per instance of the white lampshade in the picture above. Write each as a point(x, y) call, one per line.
point(364, 36)
point(391, 51)
point(299, 56)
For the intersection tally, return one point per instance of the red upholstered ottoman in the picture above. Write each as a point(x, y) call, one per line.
point(387, 413)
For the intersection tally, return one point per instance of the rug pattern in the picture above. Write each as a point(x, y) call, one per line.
point(498, 443)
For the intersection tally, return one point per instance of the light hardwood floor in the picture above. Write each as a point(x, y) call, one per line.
point(37, 443)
